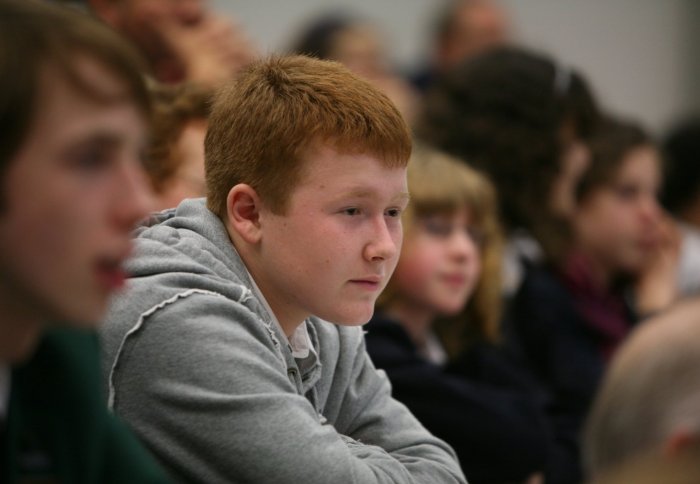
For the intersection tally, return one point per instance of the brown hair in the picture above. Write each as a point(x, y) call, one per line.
point(609, 146)
point(441, 184)
point(34, 34)
point(267, 120)
point(173, 108)
point(504, 111)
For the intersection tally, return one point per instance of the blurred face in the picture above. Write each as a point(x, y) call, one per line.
point(143, 20)
point(359, 48)
point(333, 251)
point(440, 264)
point(618, 224)
point(188, 180)
point(478, 26)
point(71, 196)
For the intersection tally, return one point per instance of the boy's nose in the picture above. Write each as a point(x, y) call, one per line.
point(135, 199)
point(384, 244)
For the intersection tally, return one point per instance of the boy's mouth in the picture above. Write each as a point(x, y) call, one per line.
point(372, 283)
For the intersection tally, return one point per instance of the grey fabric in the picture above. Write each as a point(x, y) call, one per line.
point(196, 367)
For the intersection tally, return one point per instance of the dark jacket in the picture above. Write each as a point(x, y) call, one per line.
point(480, 406)
point(547, 330)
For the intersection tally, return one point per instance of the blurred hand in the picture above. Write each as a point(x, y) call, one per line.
point(537, 478)
point(656, 287)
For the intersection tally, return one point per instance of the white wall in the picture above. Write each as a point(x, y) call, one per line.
point(638, 54)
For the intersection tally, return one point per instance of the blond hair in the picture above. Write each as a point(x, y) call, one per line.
point(441, 184)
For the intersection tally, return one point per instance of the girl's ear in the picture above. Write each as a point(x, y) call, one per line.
point(243, 212)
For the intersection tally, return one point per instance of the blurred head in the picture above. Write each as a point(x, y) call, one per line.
point(74, 111)
point(617, 218)
point(466, 28)
point(681, 190)
point(647, 405)
point(175, 158)
point(452, 246)
point(141, 20)
point(265, 123)
point(350, 40)
point(523, 120)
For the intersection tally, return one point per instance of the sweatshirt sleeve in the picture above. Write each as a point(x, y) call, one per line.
point(385, 434)
point(201, 382)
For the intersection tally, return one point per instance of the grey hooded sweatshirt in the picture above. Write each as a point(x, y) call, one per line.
point(196, 366)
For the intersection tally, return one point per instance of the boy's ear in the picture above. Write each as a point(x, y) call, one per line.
point(243, 212)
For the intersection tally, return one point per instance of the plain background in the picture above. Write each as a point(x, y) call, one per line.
point(641, 56)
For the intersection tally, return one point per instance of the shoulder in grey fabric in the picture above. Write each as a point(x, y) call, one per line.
point(206, 380)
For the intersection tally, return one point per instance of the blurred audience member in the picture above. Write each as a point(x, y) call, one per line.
point(73, 110)
point(175, 158)
point(646, 414)
point(523, 120)
point(462, 30)
point(359, 45)
point(567, 319)
point(183, 40)
point(681, 197)
point(449, 267)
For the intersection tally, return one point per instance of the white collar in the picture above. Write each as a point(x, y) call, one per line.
point(433, 350)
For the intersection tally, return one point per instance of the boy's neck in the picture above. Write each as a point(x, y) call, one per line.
point(288, 325)
point(288, 319)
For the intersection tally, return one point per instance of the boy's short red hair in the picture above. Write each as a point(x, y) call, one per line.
point(265, 122)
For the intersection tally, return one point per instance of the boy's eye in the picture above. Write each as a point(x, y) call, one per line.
point(92, 155)
point(91, 158)
point(352, 211)
point(393, 212)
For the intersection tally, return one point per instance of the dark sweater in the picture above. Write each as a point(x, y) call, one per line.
point(556, 325)
point(482, 410)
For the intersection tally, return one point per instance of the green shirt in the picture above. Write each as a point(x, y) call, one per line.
point(58, 428)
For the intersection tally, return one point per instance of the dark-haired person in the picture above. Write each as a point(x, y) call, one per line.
point(569, 318)
point(73, 111)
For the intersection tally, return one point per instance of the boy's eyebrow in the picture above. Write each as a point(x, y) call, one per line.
point(363, 192)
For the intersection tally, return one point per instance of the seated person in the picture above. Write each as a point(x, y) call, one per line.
point(73, 107)
point(449, 266)
point(221, 353)
point(569, 319)
point(175, 157)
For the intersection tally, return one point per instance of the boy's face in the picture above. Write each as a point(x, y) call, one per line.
point(70, 197)
point(333, 251)
point(619, 223)
point(440, 264)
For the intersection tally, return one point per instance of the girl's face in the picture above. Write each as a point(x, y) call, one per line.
point(618, 224)
point(440, 263)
